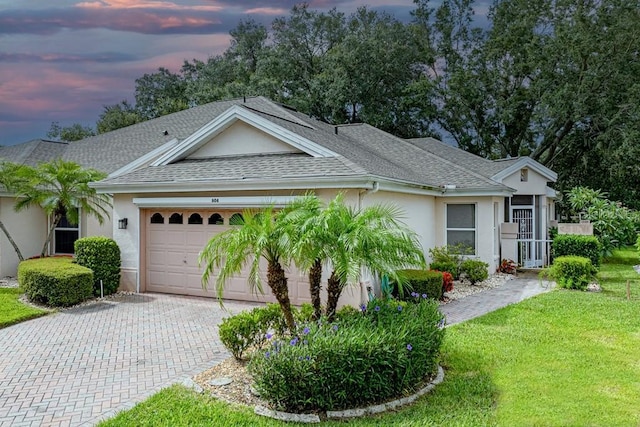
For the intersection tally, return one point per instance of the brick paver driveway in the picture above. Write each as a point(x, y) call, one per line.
point(82, 365)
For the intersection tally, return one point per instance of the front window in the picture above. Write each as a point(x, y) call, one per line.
point(461, 226)
point(65, 235)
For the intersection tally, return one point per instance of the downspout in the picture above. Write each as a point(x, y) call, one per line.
point(366, 288)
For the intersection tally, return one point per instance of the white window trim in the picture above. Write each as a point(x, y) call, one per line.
point(475, 229)
point(78, 228)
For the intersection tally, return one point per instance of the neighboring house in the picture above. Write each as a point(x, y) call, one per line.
point(178, 179)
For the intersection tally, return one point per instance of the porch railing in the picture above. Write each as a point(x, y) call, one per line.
point(534, 253)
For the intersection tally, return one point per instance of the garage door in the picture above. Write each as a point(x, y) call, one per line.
point(175, 237)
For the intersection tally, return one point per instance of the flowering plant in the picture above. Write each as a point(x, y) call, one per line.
point(447, 282)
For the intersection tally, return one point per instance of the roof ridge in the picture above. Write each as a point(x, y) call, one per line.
point(288, 116)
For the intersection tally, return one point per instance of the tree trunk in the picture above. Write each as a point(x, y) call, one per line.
point(56, 220)
point(334, 289)
point(315, 278)
point(278, 283)
point(13, 243)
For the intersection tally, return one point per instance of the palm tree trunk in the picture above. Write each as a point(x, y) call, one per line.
point(334, 289)
point(315, 278)
point(13, 243)
point(278, 283)
point(56, 220)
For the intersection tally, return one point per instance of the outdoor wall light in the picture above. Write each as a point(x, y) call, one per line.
point(122, 223)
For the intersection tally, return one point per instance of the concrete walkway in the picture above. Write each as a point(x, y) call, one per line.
point(82, 365)
point(513, 291)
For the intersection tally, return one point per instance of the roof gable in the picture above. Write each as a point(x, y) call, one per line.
point(203, 141)
point(525, 162)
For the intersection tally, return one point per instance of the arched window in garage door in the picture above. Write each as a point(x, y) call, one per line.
point(236, 219)
point(216, 219)
point(175, 218)
point(194, 218)
point(157, 218)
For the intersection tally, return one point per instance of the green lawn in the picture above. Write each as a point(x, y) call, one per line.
point(565, 358)
point(12, 310)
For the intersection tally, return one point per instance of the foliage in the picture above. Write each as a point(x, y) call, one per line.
point(117, 116)
point(637, 245)
point(102, 256)
point(447, 282)
point(573, 244)
point(572, 272)
point(258, 235)
point(448, 258)
point(10, 180)
point(380, 353)
point(613, 224)
point(508, 266)
point(160, 93)
point(61, 188)
point(55, 281)
point(13, 311)
point(75, 132)
point(420, 282)
point(475, 270)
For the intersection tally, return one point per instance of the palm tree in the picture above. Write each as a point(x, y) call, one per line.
point(9, 178)
point(300, 218)
point(257, 236)
point(61, 188)
point(372, 238)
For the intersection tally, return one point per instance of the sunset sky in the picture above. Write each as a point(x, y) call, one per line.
point(63, 60)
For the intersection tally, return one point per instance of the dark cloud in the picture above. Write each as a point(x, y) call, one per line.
point(105, 57)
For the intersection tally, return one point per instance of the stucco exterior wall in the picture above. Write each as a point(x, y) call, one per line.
point(90, 226)
point(489, 211)
point(535, 184)
point(253, 140)
point(28, 228)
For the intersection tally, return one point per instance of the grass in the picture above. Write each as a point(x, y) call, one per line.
point(565, 358)
point(13, 311)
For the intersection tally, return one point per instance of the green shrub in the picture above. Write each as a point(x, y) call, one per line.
point(572, 272)
point(248, 329)
point(419, 282)
point(475, 270)
point(57, 282)
point(382, 352)
point(448, 258)
point(579, 245)
point(638, 243)
point(102, 256)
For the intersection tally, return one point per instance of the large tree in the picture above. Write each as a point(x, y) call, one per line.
point(117, 116)
point(74, 132)
point(61, 188)
point(160, 93)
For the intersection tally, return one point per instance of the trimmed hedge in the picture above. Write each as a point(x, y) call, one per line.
point(383, 351)
point(579, 245)
point(419, 282)
point(450, 267)
point(102, 256)
point(572, 272)
point(57, 282)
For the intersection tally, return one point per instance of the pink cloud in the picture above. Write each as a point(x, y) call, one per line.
point(143, 4)
point(271, 11)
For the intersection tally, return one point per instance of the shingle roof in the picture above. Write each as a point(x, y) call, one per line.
point(33, 152)
point(362, 150)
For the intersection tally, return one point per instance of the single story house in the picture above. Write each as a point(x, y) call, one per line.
point(178, 179)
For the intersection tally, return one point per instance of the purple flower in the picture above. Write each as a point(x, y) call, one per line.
point(399, 308)
point(268, 335)
point(377, 308)
point(294, 341)
point(308, 357)
point(415, 294)
point(441, 323)
point(306, 331)
point(409, 347)
point(363, 308)
point(267, 354)
point(424, 296)
point(335, 328)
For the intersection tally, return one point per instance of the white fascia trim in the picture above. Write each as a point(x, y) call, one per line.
point(212, 201)
point(477, 193)
point(226, 119)
point(140, 161)
point(408, 188)
point(551, 193)
point(527, 162)
point(244, 185)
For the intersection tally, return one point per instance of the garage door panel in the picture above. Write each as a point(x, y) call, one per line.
point(172, 252)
